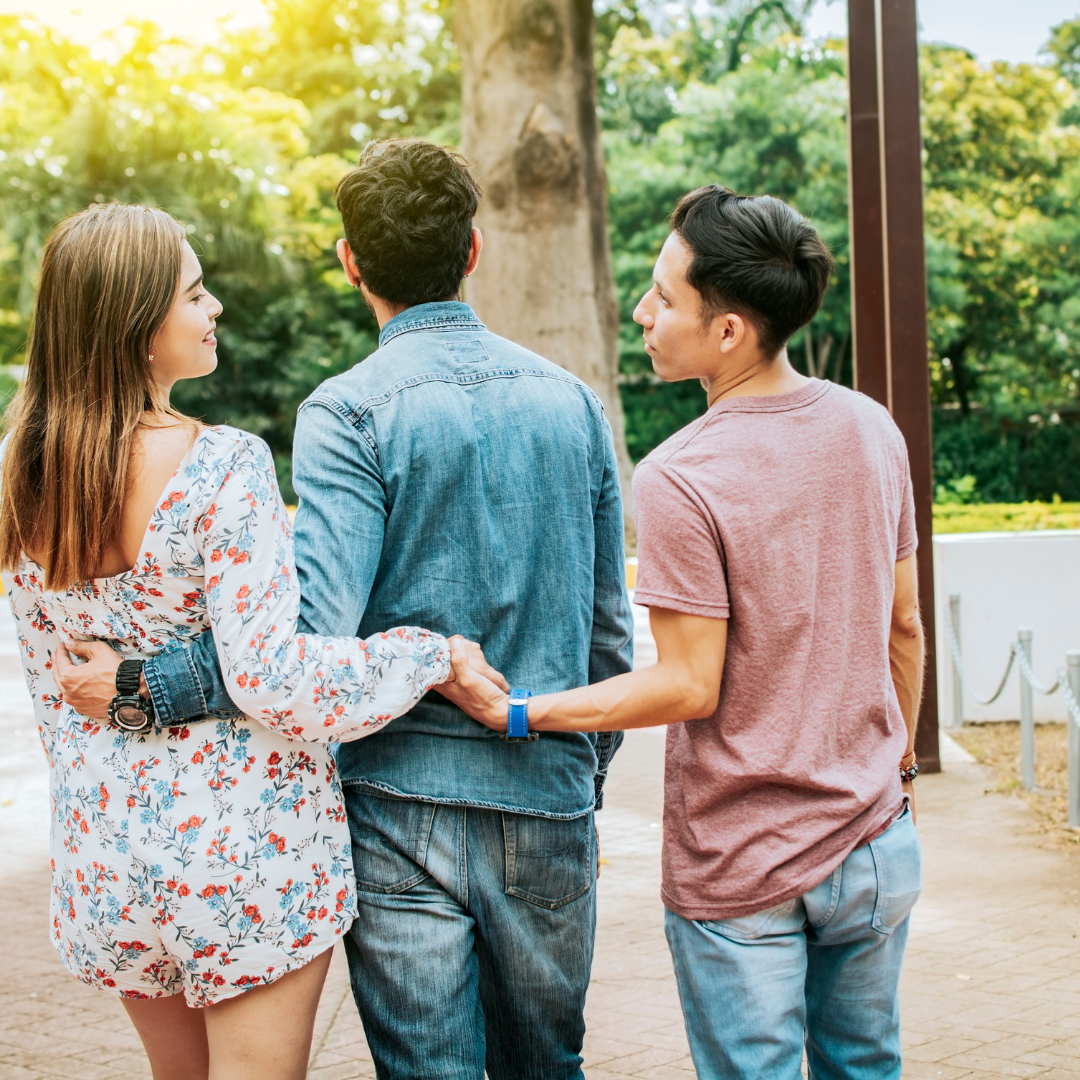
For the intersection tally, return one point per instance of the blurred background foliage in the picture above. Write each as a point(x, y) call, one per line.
point(245, 139)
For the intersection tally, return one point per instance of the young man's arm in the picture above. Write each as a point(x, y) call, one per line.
point(907, 651)
point(683, 684)
point(338, 535)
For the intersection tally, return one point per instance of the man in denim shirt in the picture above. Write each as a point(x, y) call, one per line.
point(456, 481)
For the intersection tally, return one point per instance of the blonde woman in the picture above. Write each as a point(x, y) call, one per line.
point(203, 866)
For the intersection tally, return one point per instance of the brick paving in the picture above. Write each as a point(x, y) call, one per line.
point(991, 986)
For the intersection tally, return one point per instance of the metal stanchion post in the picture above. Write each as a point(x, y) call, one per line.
point(957, 678)
point(1027, 717)
point(1072, 659)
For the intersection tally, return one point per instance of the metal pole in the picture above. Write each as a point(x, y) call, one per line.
point(889, 272)
point(869, 327)
point(1072, 659)
point(1027, 717)
point(957, 678)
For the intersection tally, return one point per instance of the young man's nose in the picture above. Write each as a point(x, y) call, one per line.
point(641, 316)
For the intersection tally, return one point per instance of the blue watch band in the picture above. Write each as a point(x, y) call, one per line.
point(517, 717)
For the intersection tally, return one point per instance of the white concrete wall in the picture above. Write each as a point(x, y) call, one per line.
point(1005, 581)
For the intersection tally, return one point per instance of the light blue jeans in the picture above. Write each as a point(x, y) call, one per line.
point(821, 970)
point(474, 940)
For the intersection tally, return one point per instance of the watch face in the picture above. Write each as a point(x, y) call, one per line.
point(131, 718)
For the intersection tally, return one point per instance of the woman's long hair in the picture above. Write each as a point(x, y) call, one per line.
point(108, 278)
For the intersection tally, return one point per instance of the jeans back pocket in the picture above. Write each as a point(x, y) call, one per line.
point(779, 919)
point(549, 862)
point(389, 840)
point(898, 863)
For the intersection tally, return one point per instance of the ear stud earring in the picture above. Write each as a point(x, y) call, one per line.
point(151, 357)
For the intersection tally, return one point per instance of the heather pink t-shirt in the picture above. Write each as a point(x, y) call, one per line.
point(785, 515)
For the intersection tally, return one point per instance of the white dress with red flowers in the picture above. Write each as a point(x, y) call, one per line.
point(212, 858)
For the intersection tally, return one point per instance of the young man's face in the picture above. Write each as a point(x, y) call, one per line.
point(679, 342)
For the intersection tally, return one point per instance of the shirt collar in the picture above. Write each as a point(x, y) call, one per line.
point(448, 315)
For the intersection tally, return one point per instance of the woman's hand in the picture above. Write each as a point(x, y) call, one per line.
point(88, 687)
point(475, 686)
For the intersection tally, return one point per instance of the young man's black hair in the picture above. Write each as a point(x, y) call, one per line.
point(755, 256)
point(408, 208)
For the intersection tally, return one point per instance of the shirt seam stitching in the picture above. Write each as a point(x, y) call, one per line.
point(482, 804)
point(356, 414)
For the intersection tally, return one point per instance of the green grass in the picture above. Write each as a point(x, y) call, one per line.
point(1005, 517)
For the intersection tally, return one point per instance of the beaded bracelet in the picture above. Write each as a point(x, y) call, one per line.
point(910, 772)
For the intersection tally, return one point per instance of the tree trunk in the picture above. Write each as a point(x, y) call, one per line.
point(529, 123)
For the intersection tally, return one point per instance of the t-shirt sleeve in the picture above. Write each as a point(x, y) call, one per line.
point(680, 556)
point(907, 539)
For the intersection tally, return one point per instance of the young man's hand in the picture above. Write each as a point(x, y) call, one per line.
point(88, 688)
point(474, 686)
point(909, 789)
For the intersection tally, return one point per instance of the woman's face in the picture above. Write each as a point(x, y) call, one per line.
point(185, 346)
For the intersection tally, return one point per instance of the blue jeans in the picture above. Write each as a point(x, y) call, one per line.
point(821, 970)
point(474, 941)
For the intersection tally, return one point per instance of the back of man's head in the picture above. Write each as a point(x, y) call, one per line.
point(408, 209)
point(754, 256)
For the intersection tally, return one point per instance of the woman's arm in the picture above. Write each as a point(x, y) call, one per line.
point(38, 641)
point(306, 687)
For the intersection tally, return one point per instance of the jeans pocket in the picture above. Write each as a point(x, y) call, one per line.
point(389, 840)
point(775, 919)
point(549, 862)
point(898, 863)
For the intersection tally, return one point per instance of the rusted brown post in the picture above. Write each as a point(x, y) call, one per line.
point(889, 270)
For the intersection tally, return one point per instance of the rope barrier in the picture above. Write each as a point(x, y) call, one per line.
point(1067, 681)
point(1070, 700)
point(1029, 674)
point(958, 660)
point(1017, 656)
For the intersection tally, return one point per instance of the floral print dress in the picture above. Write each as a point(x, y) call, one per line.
point(213, 858)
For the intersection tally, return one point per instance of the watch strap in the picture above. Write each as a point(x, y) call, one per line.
point(517, 718)
point(128, 676)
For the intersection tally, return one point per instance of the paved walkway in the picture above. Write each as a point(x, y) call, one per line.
point(991, 986)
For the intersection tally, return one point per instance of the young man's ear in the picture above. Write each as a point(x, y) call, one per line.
point(474, 251)
point(729, 331)
point(348, 263)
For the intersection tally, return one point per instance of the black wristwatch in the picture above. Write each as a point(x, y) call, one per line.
point(129, 710)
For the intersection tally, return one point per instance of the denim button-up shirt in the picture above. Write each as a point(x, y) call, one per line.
point(456, 481)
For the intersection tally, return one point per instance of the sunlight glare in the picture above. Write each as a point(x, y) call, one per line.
point(84, 21)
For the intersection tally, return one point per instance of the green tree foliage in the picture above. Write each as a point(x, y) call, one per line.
point(159, 122)
point(244, 141)
point(675, 117)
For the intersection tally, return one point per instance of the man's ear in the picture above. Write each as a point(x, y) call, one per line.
point(348, 263)
point(474, 251)
point(729, 331)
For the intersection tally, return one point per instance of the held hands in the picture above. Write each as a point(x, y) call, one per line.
point(88, 688)
point(474, 686)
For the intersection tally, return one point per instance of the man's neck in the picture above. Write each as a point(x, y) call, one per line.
point(384, 311)
point(756, 378)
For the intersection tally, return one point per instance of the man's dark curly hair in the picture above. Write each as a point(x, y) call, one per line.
point(755, 256)
point(408, 209)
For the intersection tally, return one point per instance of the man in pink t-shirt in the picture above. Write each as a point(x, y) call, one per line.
point(776, 553)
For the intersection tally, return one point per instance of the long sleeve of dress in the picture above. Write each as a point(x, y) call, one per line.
point(325, 689)
point(37, 641)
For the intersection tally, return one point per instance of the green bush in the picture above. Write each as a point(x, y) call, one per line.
point(1011, 461)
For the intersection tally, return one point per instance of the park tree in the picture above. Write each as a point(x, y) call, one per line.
point(529, 122)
